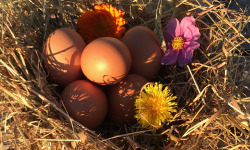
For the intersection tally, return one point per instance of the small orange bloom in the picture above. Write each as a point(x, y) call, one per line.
point(104, 21)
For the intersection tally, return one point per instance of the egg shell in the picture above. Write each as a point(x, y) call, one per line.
point(86, 103)
point(121, 99)
point(105, 61)
point(145, 51)
point(62, 53)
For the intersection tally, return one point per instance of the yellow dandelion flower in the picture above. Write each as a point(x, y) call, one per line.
point(103, 21)
point(154, 106)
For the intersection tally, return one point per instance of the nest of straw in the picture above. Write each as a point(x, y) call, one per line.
point(213, 93)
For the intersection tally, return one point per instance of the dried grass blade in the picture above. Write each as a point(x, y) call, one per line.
point(240, 146)
point(200, 94)
point(214, 116)
point(247, 115)
point(237, 123)
point(12, 71)
point(190, 130)
point(16, 97)
point(70, 140)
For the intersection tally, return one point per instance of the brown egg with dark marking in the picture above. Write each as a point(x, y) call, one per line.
point(145, 51)
point(121, 99)
point(86, 103)
point(62, 53)
point(105, 61)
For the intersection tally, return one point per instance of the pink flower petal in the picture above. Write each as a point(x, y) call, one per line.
point(188, 51)
point(167, 37)
point(190, 32)
point(173, 27)
point(187, 21)
point(186, 54)
point(170, 57)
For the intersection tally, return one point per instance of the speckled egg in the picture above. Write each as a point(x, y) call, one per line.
point(145, 51)
point(62, 54)
point(86, 103)
point(121, 98)
point(105, 61)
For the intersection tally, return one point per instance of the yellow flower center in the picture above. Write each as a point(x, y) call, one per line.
point(178, 43)
point(101, 28)
point(157, 106)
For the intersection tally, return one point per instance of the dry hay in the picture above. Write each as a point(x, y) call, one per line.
point(213, 95)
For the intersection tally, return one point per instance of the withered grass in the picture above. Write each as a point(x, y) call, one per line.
point(213, 91)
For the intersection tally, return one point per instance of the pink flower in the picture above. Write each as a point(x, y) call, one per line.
point(180, 41)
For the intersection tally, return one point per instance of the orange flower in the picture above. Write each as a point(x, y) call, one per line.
point(104, 21)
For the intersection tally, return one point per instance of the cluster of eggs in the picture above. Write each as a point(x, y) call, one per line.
point(101, 79)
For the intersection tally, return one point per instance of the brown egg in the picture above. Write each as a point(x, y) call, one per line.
point(145, 51)
point(62, 53)
point(106, 61)
point(121, 98)
point(86, 103)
